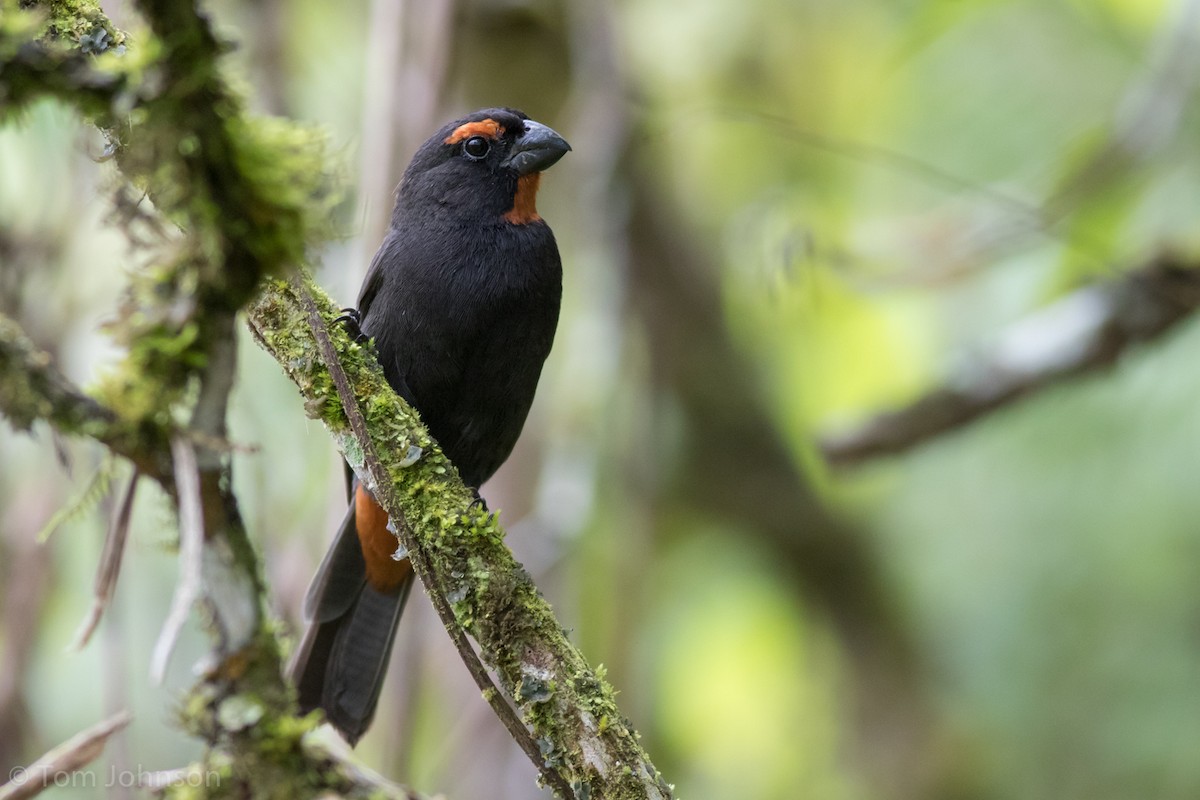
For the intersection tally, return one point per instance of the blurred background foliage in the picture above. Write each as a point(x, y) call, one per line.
point(780, 217)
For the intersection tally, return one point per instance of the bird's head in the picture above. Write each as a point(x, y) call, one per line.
point(485, 166)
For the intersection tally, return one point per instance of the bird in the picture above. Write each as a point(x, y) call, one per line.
point(460, 303)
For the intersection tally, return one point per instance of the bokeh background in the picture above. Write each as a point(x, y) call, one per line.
point(780, 218)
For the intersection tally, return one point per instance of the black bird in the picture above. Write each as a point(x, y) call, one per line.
point(461, 301)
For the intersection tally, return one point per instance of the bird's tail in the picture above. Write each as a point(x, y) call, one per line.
point(341, 661)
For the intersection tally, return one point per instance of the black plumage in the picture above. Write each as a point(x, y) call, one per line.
point(461, 302)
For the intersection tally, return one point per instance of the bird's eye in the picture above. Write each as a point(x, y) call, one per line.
point(476, 147)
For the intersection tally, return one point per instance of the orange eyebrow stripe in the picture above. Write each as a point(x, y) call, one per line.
point(484, 127)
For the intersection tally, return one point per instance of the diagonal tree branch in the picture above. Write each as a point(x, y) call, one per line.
point(71, 756)
point(109, 568)
point(1088, 330)
point(248, 197)
point(458, 552)
point(373, 467)
point(249, 194)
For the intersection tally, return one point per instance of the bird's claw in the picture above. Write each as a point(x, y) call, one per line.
point(350, 319)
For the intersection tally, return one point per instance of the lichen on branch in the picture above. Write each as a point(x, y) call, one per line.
point(458, 551)
point(242, 199)
point(33, 389)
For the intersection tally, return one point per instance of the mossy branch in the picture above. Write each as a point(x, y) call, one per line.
point(31, 71)
point(585, 747)
point(250, 194)
point(33, 389)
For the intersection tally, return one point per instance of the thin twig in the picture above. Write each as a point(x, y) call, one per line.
point(895, 160)
point(1023, 217)
point(72, 755)
point(109, 568)
point(436, 591)
point(191, 546)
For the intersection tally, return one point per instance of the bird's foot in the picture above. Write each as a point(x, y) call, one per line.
point(351, 319)
point(479, 501)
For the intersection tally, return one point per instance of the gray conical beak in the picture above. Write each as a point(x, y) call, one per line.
point(536, 149)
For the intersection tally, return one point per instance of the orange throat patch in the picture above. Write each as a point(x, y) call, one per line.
point(524, 210)
point(384, 573)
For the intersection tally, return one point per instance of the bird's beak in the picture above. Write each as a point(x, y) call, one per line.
point(536, 149)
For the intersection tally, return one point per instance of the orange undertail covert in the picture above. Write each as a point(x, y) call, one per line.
point(384, 572)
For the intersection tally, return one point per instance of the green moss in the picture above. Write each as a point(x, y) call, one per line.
point(562, 700)
point(249, 194)
point(296, 192)
point(256, 746)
